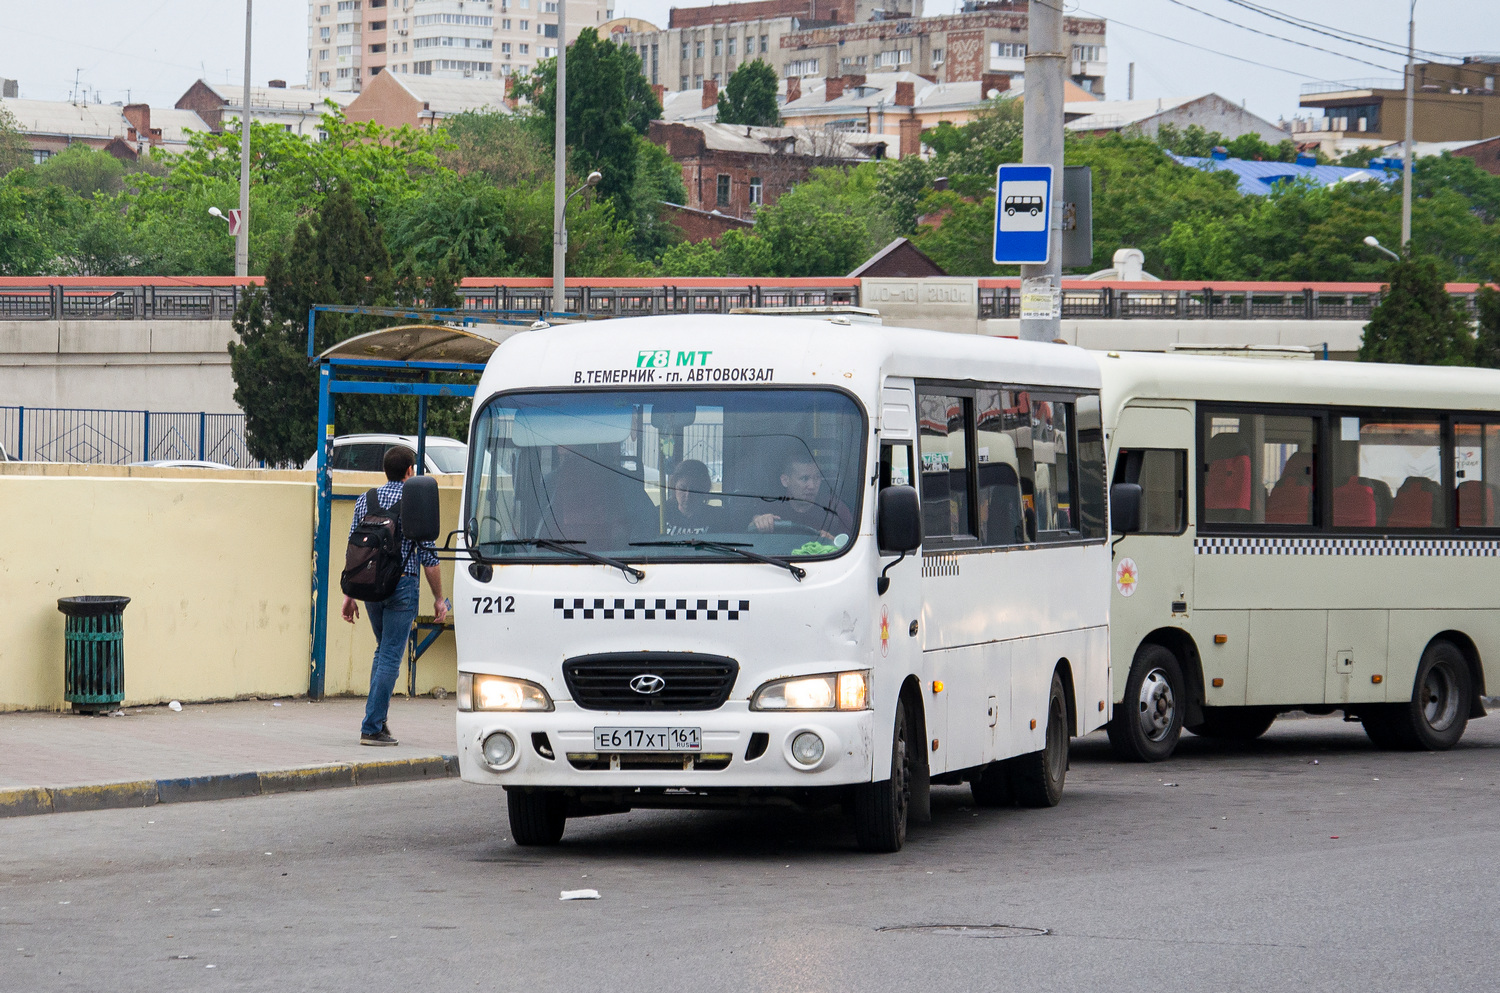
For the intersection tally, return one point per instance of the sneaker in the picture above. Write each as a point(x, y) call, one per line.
point(381, 737)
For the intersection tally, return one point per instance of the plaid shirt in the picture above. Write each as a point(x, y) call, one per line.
point(388, 495)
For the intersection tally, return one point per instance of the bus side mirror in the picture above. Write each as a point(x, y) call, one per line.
point(1125, 508)
point(898, 524)
point(420, 517)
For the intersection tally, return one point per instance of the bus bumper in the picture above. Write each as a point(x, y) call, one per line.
point(731, 756)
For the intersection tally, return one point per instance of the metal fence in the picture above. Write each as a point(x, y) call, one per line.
point(119, 437)
point(646, 301)
point(128, 303)
point(1112, 304)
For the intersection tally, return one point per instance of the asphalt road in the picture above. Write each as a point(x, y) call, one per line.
point(1306, 861)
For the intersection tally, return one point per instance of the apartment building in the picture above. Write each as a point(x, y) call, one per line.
point(1452, 102)
point(350, 42)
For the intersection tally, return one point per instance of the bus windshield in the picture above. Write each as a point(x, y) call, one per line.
point(665, 475)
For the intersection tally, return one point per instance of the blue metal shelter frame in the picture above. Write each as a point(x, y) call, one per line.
point(359, 376)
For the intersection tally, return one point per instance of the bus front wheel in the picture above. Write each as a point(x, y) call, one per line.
point(880, 809)
point(537, 817)
point(1148, 722)
point(1438, 712)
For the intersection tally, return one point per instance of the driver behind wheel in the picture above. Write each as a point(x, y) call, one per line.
point(806, 505)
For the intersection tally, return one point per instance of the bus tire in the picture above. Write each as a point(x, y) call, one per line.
point(1380, 727)
point(1234, 723)
point(1438, 713)
point(991, 788)
point(880, 809)
point(537, 817)
point(1036, 779)
point(1148, 722)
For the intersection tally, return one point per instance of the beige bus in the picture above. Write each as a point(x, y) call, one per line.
point(1317, 536)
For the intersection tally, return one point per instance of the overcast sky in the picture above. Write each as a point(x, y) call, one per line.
point(152, 50)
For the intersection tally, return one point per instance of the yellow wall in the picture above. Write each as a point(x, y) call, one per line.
point(218, 569)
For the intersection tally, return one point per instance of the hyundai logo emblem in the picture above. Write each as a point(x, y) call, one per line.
point(648, 683)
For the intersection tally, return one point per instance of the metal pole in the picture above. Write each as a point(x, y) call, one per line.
point(322, 535)
point(560, 166)
point(1042, 143)
point(1411, 100)
point(422, 433)
point(242, 241)
point(1130, 86)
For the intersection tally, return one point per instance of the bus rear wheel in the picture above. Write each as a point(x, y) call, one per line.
point(1438, 712)
point(1037, 778)
point(1234, 723)
point(537, 817)
point(1148, 722)
point(880, 809)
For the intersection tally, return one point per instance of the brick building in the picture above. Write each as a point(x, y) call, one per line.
point(295, 109)
point(127, 132)
point(393, 99)
point(733, 168)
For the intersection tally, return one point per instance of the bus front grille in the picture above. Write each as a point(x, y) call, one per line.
point(674, 681)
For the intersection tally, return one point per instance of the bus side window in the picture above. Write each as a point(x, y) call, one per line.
point(1002, 518)
point(1162, 475)
point(1089, 426)
point(1476, 473)
point(943, 422)
point(1398, 463)
point(1052, 469)
point(895, 464)
point(1261, 469)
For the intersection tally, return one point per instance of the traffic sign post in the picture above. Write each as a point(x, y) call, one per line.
point(1023, 215)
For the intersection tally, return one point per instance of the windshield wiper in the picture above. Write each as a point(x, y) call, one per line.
point(566, 545)
point(735, 547)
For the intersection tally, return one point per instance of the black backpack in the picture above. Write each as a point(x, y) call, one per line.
point(372, 563)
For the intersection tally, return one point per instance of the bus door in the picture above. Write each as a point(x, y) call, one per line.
point(1153, 569)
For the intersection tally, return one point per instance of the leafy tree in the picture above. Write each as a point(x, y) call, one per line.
point(1416, 321)
point(33, 219)
point(658, 180)
point(13, 151)
point(899, 189)
point(83, 170)
point(340, 259)
point(609, 104)
point(464, 221)
point(1361, 157)
point(1487, 341)
point(750, 96)
point(825, 226)
point(737, 253)
point(499, 146)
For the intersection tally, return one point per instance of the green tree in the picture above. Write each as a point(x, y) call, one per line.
point(825, 226)
point(500, 146)
point(1416, 321)
point(609, 104)
point(658, 180)
point(83, 170)
point(462, 220)
point(14, 152)
point(337, 257)
point(1487, 340)
point(737, 253)
point(34, 219)
point(750, 96)
point(900, 187)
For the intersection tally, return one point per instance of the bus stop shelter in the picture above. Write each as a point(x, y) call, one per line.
point(394, 361)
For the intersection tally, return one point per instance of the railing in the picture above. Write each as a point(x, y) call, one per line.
point(1000, 302)
point(1347, 85)
point(119, 303)
point(120, 437)
point(998, 299)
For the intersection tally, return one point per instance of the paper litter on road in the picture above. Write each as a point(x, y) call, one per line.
point(579, 895)
point(174, 706)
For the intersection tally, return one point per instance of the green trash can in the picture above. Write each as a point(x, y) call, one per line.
point(93, 652)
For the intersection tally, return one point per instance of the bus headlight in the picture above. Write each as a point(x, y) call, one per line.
point(829, 691)
point(480, 692)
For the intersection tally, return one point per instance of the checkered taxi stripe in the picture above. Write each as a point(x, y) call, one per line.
point(1346, 546)
point(620, 609)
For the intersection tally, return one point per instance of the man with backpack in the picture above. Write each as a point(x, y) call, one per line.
point(381, 569)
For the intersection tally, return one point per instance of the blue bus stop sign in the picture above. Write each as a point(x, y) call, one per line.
point(1023, 214)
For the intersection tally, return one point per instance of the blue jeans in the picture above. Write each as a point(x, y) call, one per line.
point(391, 619)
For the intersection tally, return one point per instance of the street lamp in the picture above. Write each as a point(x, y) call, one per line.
point(560, 243)
point(1374, 242)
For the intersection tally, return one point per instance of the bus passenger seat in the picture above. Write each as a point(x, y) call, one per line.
point(1354, 505)
point(1290, 500)
point(1383, 498)
point(1476, 504)
point(1416, 501)
point(1226, 484)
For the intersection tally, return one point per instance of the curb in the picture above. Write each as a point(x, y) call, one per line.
point(29, 800)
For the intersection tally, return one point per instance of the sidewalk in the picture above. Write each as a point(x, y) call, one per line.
point(51, 762)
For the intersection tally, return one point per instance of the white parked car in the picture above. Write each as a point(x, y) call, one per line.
point(366, 452)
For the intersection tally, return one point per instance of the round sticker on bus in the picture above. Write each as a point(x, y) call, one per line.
point(1127, 575)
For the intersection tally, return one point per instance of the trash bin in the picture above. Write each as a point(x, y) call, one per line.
point(93, 652)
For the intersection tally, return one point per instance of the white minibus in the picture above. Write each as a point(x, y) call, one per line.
point(717, 561)
point(1317, 536)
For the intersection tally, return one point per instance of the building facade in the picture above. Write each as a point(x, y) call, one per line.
point(809, 38)
point(128, 132)
point(350, 42)
point(1451, 103)
point(294, 109)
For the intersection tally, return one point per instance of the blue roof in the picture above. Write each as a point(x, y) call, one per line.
point(1258, 177)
